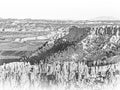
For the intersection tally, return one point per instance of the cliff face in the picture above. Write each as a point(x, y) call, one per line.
point(102, 45)
point(96, 46)
point(60, 45)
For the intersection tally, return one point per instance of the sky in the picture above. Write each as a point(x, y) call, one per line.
point(59, 9)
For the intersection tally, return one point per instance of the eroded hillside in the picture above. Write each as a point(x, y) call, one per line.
point(96, 46)
point(68, 53)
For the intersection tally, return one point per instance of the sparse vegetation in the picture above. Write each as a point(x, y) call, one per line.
point(88, 55)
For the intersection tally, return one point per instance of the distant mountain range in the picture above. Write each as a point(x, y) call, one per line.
point(105, 18)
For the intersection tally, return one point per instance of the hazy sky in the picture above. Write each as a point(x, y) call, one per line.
point(59, 9)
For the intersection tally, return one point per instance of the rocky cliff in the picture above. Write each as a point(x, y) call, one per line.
point(93, 45)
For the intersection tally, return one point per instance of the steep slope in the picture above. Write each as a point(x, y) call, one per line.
point(95, 46)
point(76, 34)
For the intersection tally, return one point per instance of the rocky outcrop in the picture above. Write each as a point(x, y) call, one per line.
point(99, 45)
point(76, 34)
point(104, 39)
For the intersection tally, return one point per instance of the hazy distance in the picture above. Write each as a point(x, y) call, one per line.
point(59, 9)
